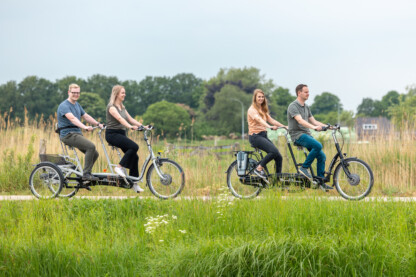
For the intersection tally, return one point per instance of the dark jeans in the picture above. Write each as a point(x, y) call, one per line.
point(315, 151)
point(85, 146)
point(130, 160)
point(261, 141)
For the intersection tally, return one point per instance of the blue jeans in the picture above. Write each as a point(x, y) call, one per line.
point(315, 151)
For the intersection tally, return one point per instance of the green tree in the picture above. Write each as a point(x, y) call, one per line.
point(102, 85)
point(279, 101)
point(39, 96)
point(93, 105)
point(11, 98)
point(63, 84)
point(151, 90)
point(370, 108)
point(133, 100)
point(345, 118)
point(168, 118)
point(325, 103)
point(186, 89)
point(182, 88)
point(246, 79)
point(403, 115)
point(225, 115)
point(392, 98)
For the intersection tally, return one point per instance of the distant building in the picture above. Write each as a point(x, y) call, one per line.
point(368, 127)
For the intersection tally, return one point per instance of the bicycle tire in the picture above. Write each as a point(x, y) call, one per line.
point(46, 181)
point(172, 185)
point(361, 182)
point(237, 187)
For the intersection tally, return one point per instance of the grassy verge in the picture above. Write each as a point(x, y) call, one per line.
point(263, 237)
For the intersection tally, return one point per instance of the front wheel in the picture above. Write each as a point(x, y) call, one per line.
point(244, 187)
point(46, 181)
point(170, 184)
point(354, 180)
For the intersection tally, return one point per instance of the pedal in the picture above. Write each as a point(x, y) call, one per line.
point(85, 185)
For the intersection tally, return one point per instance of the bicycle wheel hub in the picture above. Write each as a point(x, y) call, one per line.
point(354, 179)
point(166, 180)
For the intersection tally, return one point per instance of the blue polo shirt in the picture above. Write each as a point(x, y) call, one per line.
point(67, 107)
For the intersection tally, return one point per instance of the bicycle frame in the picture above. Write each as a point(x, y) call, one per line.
point(106, 178)
point(151, 157)
point(331, 167)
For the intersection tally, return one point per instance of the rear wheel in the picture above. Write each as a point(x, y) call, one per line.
point(354, 182)
point(46, 181)
point(244, 187)
point(170, 184)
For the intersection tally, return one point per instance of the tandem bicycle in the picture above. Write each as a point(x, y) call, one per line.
point(60, 175)
point(352, 177)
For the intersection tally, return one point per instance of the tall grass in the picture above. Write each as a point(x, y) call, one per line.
point(391, 158)
point(269, 237)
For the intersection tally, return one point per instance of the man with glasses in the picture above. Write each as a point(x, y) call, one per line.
point(69, 125)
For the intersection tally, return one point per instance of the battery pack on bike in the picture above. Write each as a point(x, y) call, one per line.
point(242, 158)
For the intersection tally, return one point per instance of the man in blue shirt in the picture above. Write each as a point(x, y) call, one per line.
point(69, 123)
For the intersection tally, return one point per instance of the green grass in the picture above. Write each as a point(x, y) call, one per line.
point(263, 237)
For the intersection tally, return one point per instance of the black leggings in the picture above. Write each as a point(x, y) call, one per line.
point(119, 139)
point(261, 141)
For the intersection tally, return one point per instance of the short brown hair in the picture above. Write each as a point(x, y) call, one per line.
point(299, 88)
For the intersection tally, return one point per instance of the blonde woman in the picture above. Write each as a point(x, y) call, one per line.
point(258, 119)
point(118, 121)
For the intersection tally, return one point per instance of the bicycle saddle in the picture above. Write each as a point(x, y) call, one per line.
point(112, 145)
point(300, 147)
point(67, 145)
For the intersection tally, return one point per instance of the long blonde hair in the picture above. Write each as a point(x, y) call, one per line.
point(264, 107)
point(114, 93)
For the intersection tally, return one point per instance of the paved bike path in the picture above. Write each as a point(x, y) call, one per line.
point(204, 198)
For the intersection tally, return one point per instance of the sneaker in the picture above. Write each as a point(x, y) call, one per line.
point(259, 173)
point(325, 187)
point(120, 171)
point(305, 172)
point(88, 177)
point(137, 188)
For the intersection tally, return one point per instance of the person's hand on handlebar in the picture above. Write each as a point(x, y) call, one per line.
point(88, 128)
point(134, 127)
point(318, 128)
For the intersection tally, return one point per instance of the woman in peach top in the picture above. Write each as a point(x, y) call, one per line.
point(258, 118)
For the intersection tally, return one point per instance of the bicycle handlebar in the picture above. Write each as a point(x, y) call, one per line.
point(149, 128)
point(140, 128)
point(331, 127)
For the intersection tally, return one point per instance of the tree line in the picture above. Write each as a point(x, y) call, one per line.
point(187, 105)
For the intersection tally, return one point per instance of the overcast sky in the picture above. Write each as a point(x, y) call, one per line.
point(354, 48)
